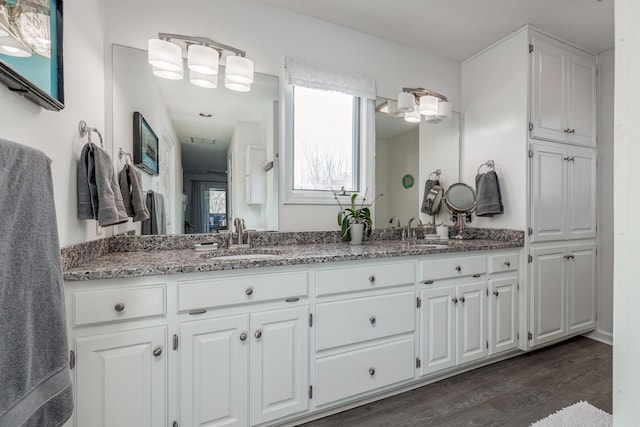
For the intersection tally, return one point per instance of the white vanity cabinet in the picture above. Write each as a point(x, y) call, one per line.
point(563, 193)
point(563, 93)
point(563, 291)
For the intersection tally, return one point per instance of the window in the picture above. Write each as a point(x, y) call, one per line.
point(326, 140)
point(329, 132)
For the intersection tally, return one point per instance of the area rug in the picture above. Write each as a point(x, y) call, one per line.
point(581, 414)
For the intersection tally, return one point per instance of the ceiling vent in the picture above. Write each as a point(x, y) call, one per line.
point(198, 140)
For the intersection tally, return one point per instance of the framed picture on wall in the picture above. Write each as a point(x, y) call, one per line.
point(31, 50)
point(145, 145)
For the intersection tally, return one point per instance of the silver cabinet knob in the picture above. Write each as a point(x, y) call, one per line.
point(454, 300)
point(496, 293)
point(458, 268)
point(372, 278)
point(157, 351)
point(372, 371)
point(258, 333)
point(507, 263)
point(249, 291)
point(119, 307)
point(243, 336)
point(372, 320)
point(462, 299)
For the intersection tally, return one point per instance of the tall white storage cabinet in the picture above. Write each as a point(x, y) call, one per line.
point(529, 104)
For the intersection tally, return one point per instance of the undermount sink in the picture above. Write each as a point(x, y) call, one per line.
point(241, 254)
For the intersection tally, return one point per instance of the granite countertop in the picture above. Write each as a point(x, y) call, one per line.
point(121, 264)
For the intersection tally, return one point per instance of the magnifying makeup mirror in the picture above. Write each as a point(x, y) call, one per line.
point(460, 199)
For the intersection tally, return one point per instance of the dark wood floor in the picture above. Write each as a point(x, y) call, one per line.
point(515, 392)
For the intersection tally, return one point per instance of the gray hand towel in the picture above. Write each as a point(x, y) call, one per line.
point(97, 180)
point(156, 222)
point(34, 355)
point(427, 188)
point(488, 196)
point(132, 193)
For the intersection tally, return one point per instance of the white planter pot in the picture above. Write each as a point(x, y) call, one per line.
point(356, 232)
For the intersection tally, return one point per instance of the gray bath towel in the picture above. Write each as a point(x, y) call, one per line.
point(35, 385)
point(488, 197)
point(132, 194)
point(156, 223)
point(99, 195)
point(427, 188)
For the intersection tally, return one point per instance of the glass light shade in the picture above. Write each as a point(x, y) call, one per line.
point(169, 75)
point(238, 87)
point(12, 47)
point(406, 102)
point(445, 110)
point(209, 81)
point(412, 116)
point(202, 59)
point(239, 70)
point(428, 105)
point(392, 108)
point(165, 55)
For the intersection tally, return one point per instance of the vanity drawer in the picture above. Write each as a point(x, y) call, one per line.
point(500, 263)
point(362, 319)
point(362, 278)
point(434, 269)
point(349, 374)
point(108, 305)
point(200, 294)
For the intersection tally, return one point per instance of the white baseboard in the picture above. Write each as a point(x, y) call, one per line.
point(601, 336)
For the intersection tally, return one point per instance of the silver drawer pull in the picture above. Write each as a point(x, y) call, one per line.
point(458, 268)
point(157, 351)
point(198, 311)
point(462, 300)
point(454, 300)
point(372, 278)
point(292, 299)
point(249, 291)
point(119, 307)
point(243, 336)
point(476, 275)
point(428, 282)
point(496, 293)
point(507, 263)
point(258, 334)
point(372, 371)
point(372, 320)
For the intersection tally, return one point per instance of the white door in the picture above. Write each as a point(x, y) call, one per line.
point(581, 111)
point(214, 372)
point(548, 92)
point(581, 194)
point(279, 363)
point(581, 286)
point(503, 306)
point(548, 291)
point(548, 192)
point(120, 379)
point(437, 331)
point(471, 322)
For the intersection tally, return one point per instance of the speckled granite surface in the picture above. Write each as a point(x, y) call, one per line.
point(145, 255)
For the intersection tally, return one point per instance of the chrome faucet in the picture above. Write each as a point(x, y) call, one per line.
point(395, 220)
point(239, 226)
point(408, 231)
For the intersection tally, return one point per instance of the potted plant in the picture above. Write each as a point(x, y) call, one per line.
point(355, 222)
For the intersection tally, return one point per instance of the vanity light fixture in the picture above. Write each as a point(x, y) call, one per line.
point(203, 58)
point(413, 116)
point(406, 102)
point(432, 105)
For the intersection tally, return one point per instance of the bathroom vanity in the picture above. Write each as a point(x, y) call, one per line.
point(280, 334)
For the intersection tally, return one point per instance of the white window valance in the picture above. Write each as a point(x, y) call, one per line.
point(301, 72)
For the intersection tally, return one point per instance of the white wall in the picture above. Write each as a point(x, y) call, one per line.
point(495, 113)
point(381, 207)
point(626, 285)
point(56, 133)
point(605, 194)
point(268, 34)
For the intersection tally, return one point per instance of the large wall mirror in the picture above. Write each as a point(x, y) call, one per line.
point(208, 139)
point(406, 154)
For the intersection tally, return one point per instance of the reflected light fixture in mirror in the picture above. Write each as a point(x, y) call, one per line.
point(406, 102)
point(413, 116)
point(203, 57)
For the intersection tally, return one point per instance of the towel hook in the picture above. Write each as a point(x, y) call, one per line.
point(84, 129)
point(436, 172)
point(489, 163)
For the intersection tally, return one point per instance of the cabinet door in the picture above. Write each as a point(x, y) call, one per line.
point(581, 111)
point(548, 294)
point(581, 286)
point(437, 336)
point(119, 380)
point(581, 194)
point(503, 309)
point(548, 92)
point(213, 372)
point(548, 192)
point(279, 363)
point(471, 323)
